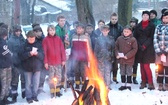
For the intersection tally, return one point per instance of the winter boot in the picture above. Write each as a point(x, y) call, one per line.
point(160, 88)
point(29, 100)
point(77, 87)
point(115, 80)
point(35, 99)
point(151, 86)
point(134, 80)
point(166, 87)
point(6, 101)
point(143, 85)
point(23, 94)
point(122, 88)
point(58, 94)
point(14, 98)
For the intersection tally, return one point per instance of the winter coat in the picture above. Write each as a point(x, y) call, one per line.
point(79, 50)
point(97, 32)
point(104, 49)
point(144, 38)
point(32, 63)
point(15, 44)
point(62, 32)
point(115, 30)
point(161, 43)
point(128, 46)
point(155, 21)
point(54, 50)
point(5, 55)
point(93, 38)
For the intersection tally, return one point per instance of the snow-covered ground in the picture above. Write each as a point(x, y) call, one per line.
point(135, 97)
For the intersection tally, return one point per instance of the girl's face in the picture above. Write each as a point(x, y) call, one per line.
point(80, 30)
point(51, 31)
point(165, 19)
point(145, 17)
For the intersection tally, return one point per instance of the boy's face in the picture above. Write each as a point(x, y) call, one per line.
point(132, 24)
point(17, 33)
point(105, 31)
point(152, 15)
point(89, 29)
point(165, 19)
point(127, 32)
point(114, 19)
point(100, 25)
point(145, 17)
point(51, 31)
point(38, 33)
point(61, 22)
point(31, 40)
point(80, 30)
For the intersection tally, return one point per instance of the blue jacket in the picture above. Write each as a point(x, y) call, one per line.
point(5, 55)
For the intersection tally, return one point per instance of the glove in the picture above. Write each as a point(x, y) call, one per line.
point(143, 47)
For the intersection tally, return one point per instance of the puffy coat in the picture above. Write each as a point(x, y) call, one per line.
point(128, 46)
point(144, 37)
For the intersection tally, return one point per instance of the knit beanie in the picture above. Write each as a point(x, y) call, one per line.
point(146, 12)
point(154, 12)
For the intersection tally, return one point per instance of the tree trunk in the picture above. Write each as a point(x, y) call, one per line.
point(32, 15)
point(25, 11)
point(85, 11)
point(124, 11)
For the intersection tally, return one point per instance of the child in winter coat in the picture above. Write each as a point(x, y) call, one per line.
point(54, 59)
point(161, 49)
point(32, 57)
point(104, 49)
point(125, 50)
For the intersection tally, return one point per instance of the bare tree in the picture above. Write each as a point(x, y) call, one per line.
point(85, 12)
point(124, 11)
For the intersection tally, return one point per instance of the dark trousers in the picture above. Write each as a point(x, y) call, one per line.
point(115, 69)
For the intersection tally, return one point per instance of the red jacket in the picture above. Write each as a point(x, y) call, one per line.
point(54, 52)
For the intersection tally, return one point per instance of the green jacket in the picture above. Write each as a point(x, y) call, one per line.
point(156, 21)
point(61, 32)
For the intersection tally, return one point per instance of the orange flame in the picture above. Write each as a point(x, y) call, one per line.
point(55, 79)
point(95, 79)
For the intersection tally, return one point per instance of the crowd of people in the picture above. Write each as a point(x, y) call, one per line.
point(63, 55)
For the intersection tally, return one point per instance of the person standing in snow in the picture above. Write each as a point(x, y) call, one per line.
point(5, 67)
point(32, 55)
point(15, 44)
point(125, 50)
point(115, 31)
point(62, 30)
point(103, 51)
point(54, 59)
point(161, 50)
point(79, 54)
point(144, 33)
point(133, 24)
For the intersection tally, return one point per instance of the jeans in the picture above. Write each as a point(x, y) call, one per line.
point(32, 80)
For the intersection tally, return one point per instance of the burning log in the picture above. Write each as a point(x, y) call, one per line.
point(88, 95)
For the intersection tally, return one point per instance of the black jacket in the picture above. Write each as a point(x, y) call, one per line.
point(144, 37)
point(32, 63)
point(5, 55)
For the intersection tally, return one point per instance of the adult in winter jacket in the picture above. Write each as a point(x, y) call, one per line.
point(32, 58)
point(126, 45)
point(54, 59)
point(161, 49)
point(143, 33)
point(15, 44)
point(103, 50)
point(5, 67)
point(153, 18)
point(115, 31)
